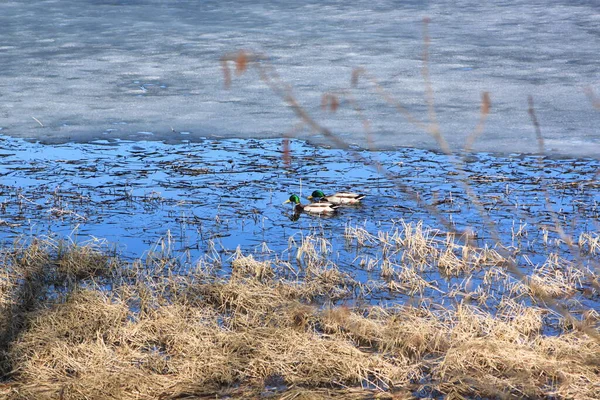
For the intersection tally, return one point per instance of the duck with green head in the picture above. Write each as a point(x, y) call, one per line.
point(312, 208)
point(338, 198)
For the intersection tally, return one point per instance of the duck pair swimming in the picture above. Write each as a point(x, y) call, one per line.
point(324, 204)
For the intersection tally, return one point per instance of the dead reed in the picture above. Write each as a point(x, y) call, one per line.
point(263, 332)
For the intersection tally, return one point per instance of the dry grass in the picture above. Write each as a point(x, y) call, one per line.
point(256, 334)
point(497, 357)
point(555, 278)
point(589, 243)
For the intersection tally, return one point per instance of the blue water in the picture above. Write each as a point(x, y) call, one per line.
point(228, 193)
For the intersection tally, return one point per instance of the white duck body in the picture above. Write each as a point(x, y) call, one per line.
point(340, 198)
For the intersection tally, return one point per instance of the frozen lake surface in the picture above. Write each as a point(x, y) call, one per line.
point(89, 69)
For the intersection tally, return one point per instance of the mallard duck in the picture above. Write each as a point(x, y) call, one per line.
point(338, 198)
point(312, 208)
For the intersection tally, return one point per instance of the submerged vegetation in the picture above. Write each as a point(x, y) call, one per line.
point(79, 323)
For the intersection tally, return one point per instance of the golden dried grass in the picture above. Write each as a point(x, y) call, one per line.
point(490, 358)
point(255, 334)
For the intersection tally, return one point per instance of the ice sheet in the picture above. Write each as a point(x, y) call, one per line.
point(83, 70)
